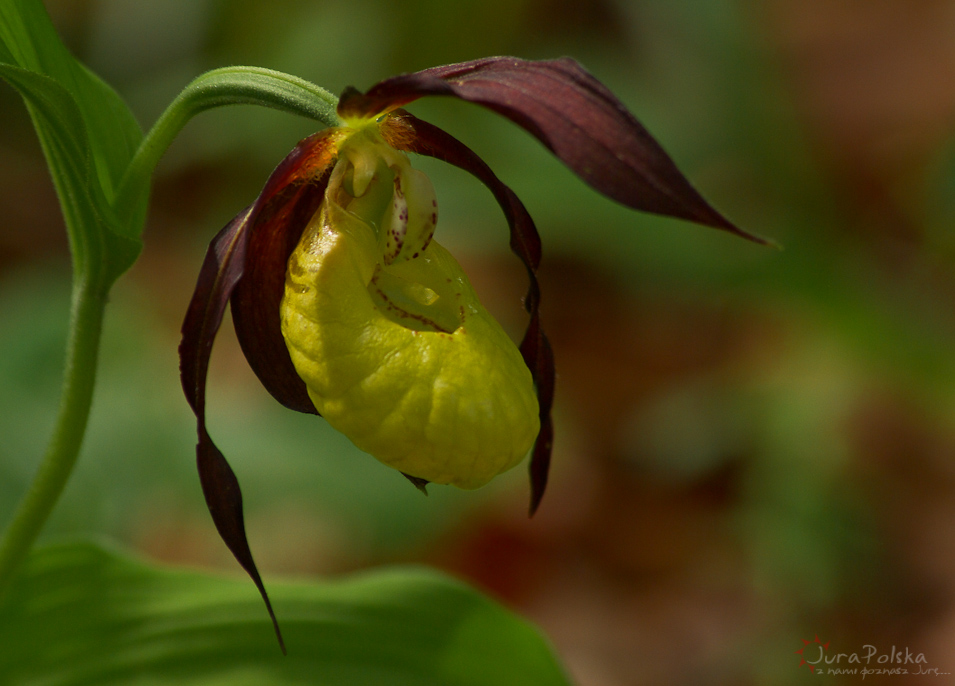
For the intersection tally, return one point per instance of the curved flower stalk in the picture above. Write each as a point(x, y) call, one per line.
point(345, 307)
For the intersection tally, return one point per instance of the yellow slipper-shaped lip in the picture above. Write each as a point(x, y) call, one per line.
point(403, 359)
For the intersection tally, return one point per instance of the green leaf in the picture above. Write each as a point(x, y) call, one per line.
point(87, 133)
point(32, 43)
point(78, 614)
point(100, 249)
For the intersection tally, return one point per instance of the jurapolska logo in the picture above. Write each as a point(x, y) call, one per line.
point(801, 652)
point(869, 661)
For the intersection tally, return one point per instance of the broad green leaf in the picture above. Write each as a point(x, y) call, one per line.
point(87, 133)
point(32, 43)
point(81, 615)
point(96, 242)
point(113, 130)
point(5, 54)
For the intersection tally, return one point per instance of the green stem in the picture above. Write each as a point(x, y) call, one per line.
point(226, 86)
point(229, 86)
point(86, 323)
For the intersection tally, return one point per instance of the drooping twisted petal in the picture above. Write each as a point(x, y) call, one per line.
point(225, 271)
point(570, 112)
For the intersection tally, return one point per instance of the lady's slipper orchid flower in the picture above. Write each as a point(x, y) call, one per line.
point(345, 307)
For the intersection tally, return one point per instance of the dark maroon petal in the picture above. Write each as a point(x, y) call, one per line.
point(224, 500)
point(540, 359)
point(427, 139)
point(223, 270)
point(570, 112)
point(220, 271)
point(258, 295)
point(540, 463)
point(290, 197)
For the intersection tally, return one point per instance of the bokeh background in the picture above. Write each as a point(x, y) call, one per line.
point(755, 447)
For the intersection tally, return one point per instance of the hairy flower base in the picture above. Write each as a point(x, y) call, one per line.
point(452, 404)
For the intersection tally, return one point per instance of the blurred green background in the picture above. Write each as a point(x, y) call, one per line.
point(754, 447)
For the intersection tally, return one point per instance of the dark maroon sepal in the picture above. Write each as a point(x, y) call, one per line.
point(570, 112)
point(290, 198)
point(429, 140)
point(280, 208)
